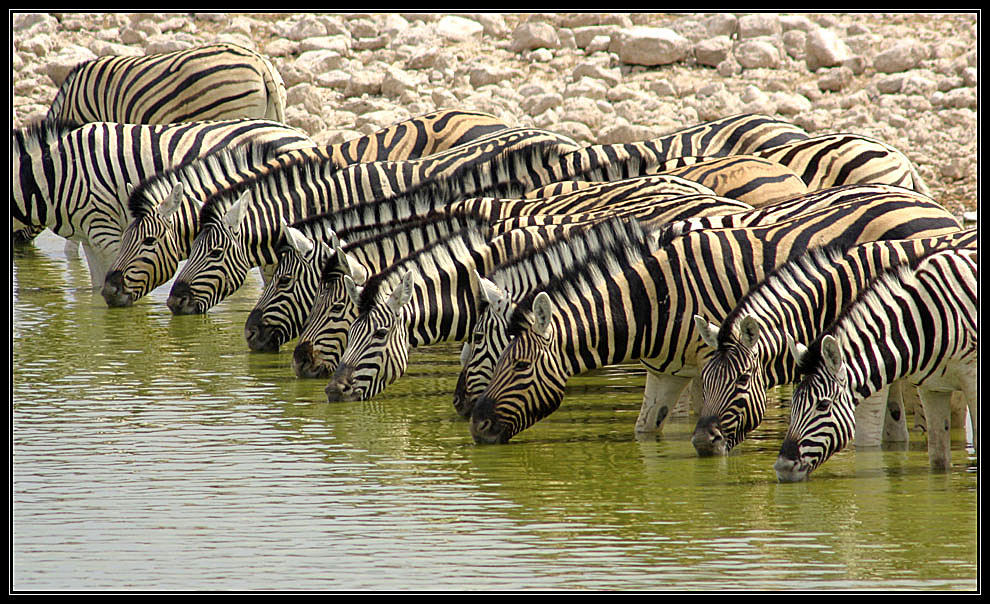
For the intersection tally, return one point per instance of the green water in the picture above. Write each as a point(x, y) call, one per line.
point(155, 452)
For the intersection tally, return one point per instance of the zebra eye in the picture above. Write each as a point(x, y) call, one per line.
point(478, 337)
point(824, 404)
point(381, 332)
point(216, 253)
point(521, 365)
point(338, 307)
point(743, 380)
point(148, 241)
point(285, 281)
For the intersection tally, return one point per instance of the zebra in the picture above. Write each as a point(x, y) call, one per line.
point(832, 160)
point(166, 219)
point(311, 248)
point(490, 337)
point(206, 83)
point(798, 299)
point(915, 323)
point(74, 180)
point(603, 315)
point(648, 198)
point(224, 249)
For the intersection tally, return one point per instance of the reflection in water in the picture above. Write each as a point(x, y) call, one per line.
point(156, 452)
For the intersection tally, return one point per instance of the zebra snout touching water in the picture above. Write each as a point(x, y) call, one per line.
point(915, 323)
point(748, 350)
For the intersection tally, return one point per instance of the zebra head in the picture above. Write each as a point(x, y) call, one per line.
point(822, 411)
point(377, 350)
point(480, 353)
point(324, 333)
point(528, 381)
point(217, 264)
point(733, 387)
point(288, 296)
point(149, 253)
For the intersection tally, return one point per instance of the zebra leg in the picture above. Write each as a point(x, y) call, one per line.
point(969, 394)
point(938, 413)
point(895, 428)
point(870, 417)
point(96, 264)
point(659, 397)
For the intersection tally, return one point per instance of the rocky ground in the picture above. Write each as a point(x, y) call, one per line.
point(909, 79)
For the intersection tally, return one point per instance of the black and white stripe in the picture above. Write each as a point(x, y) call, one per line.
point(916, 322)
point(218, 82)
point(76, 181)
point(234, 237)
point(162, 231)
point(608, 315)
point(798, 299)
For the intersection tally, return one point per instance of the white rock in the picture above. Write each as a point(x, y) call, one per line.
point(459, 29)
point(759, 24)
point(903, 56)
point(649, 46)
point(756, 53)
point(713, 51)
point(824, 48)
point(532, 35)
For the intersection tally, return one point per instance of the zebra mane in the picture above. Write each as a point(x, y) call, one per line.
point(153, 190)
point(430, 194)
point(890, 279)
point(40, 134)
point(576, 283)
point(539, 265)
point(812, 261)
point(437, 224)
point(461, 244)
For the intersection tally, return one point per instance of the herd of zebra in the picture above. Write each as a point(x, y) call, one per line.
point(737, 255)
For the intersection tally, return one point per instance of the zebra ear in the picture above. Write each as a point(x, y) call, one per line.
point(466, 351)
point(352, 289)
point(543, 313)
point(402, 293)
point(171, 203)
point(299, 242)
point(707, 330)
point(749, 331)
point(358, 272)
point(831, 355)
point(236, 212)
point(796, 349)
point(493, 293)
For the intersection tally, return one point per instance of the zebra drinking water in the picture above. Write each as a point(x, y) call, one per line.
point(914, 322)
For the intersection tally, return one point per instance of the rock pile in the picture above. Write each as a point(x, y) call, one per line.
point(907, 79)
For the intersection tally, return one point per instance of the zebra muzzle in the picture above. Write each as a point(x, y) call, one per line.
point(306, 364)
point(707, 438)
point(788, 466)
point(259, 336)
point(113, 291)
point(181, 302)
point(341, 386)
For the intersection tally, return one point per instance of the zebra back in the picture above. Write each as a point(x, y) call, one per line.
point(216, 82)
point(798, 299)
point(837, 159)
point(915, 322)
